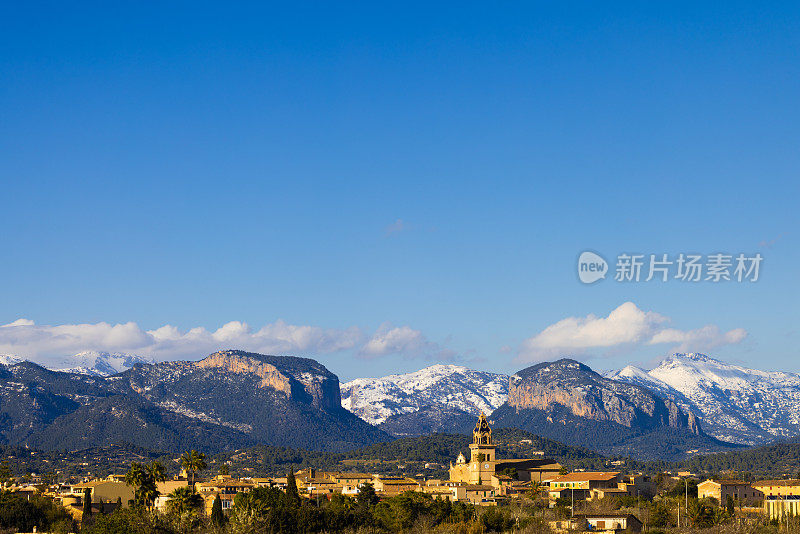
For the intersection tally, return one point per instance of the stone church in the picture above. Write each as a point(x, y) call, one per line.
point(484, 467)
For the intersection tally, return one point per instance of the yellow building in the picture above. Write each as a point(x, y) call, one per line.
point(722, 489)
point(480, 468)
point(485, 468)
point(390, 486)
point(778, 488)
point(224, 486)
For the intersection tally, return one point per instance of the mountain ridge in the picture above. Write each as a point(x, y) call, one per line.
point(736, 403)
point(228, 399)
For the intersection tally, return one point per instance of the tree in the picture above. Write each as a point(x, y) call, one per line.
point(366, 494)
point(145, 479)
point(87, 504)
point(660, 516)
point(292, 495)
point(223, 470)
point(183, 500)
point(193, 461)
point(5, 472)
point(729, 505)
point(217, 517)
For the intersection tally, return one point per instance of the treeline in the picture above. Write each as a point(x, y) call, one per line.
point(273, 510)
point(407, 453)
point(778, 460)
point(18, 513)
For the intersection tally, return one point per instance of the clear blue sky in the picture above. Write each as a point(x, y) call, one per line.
point(194, 164)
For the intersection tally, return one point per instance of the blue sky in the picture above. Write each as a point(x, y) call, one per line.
point(386, 187)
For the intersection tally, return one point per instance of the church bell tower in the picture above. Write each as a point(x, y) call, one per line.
point(482, 452)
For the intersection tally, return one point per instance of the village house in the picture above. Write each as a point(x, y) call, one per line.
point(351, 482)
point(722, 489)
point(781, 497)
point(103, 491)
point(773, 489)
point(224, 486)
point(585, 485)
point(389, 486)
point(612, 522)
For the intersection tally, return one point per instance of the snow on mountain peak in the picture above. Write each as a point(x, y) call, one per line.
point(100, 363)
point(376, 399)
point(7, 359)
point(736, 403)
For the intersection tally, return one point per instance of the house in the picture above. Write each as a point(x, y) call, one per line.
point(722, 489)
point(223, 486)
point(476, 493)
point(611, 522)
point(165, 488)
point(351, 482)
point(390, 486)
point(772, 489)
point(105, 491)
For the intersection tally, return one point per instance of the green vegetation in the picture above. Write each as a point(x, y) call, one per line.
point(18, 513)
point(144, 478)
point(192, 462)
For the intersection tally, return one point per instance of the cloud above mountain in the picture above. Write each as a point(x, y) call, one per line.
point(51, 343)
point(406, 341)
point(625, 327)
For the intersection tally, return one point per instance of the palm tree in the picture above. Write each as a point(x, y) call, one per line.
point(145, 479)
point(184, 500)
point(193, 461)
point(156, 471)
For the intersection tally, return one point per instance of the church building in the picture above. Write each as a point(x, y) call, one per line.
point(484, 467)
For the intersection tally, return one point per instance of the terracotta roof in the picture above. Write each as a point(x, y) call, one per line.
point(586, 476)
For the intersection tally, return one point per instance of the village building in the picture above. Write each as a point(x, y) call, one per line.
point(773, 489)
point(390, 486)
point(351, 482)
point(485, 468)
point(586, 485)
point(223, 486)
point(722, 489)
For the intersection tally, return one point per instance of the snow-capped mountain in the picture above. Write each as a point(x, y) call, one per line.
point(451, 386)
point(735, 403)
point(95, 363)
point(7, 359)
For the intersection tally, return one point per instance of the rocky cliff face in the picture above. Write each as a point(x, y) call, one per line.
point(574, 386)
point(228, 400)
point(300, 379)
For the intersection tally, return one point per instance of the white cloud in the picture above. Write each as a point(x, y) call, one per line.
point(45, 343)
point(403, 340)
point(699, 340)
point(625, 327)
point(56, 344)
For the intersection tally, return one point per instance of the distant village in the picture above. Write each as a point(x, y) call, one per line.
point(578, 501)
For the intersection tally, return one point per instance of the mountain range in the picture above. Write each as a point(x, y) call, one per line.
point(228, 400)
point(440, 398)
point(735, 403)
point(95, 363)
point(730, 403)
point(687, 404)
